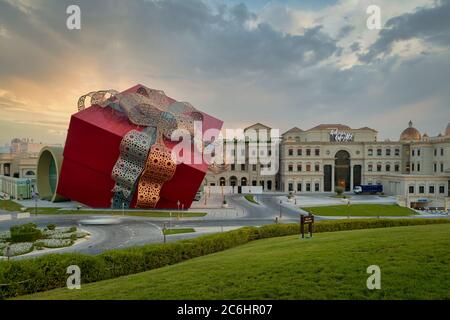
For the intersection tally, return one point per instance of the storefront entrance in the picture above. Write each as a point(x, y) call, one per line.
point(342, 169)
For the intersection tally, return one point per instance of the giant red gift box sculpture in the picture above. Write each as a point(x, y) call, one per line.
point(118, 151)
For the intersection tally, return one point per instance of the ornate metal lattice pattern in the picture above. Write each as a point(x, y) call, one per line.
point(159, 168)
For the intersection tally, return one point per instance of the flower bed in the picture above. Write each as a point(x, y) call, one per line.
point(51, 237)
point(54, 243)
point(16, 249)
point(5, 235)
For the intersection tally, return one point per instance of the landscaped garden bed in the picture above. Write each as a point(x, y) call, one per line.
point(23, 239)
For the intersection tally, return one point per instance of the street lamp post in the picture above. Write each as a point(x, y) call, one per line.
point(164, 232)
point(35, 204)
point(280, 207)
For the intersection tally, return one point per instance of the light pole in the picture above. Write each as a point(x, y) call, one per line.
point(164, 232)
point(123, 209)
point(35, 203)
point(280, 207)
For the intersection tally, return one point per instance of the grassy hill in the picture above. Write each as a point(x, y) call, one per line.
point(414, 264)
point(361, 210)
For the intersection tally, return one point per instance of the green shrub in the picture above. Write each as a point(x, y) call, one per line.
point(49, 271)
point(339, 190)
point(51, 226)
point(25, 233)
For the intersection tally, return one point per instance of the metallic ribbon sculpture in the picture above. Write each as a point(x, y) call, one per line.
point(145, 163)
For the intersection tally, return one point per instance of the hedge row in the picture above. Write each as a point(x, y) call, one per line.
point(19, 277)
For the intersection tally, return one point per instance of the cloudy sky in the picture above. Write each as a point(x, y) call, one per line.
point(283, 63)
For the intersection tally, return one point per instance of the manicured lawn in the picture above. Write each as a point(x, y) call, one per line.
point(178, 231)
point(251, 198)
point(9, 205)
point(414, 264)
point(361, 210)
point(42, 210)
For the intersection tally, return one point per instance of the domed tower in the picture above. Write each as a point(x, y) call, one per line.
point(447, 131)
point(410, 134)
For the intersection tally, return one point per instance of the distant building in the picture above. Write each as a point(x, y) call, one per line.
point(19, 161)
point(247, 173)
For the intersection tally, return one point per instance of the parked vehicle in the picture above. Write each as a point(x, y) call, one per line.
point(370, 189)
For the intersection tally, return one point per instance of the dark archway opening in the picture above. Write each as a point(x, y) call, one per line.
point(342, 169)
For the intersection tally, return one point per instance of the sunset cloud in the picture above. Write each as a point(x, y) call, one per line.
point(283, 63)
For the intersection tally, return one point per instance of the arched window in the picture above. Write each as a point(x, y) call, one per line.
point(243, 181)
point(30, 173)
point(222, 181)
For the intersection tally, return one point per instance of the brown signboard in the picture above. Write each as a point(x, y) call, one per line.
point(306, 220)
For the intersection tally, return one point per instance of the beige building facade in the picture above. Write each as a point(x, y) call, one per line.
point(248, 172)
point(415, 167)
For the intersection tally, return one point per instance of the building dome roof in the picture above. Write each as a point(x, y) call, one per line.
point(410, 133)
point(447, 131)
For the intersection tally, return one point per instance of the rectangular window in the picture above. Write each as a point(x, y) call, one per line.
point(370, 168)
point(233, 167)
point(308, 187)
point(413, 152)
point(435, 167)
point(397, 152)
point(421, 189)
point(379, 152)
point(291, 152)
point(317, 168)
point(299, 167)
point(290, 168)
point(431, 190)
point(308, 167)
point(242, 167)
point(378, 167)
point(299, 187)
point(442, 151)
point(299, 152)
point(442, 167)
point(418, 152)
point(317, 152)
point(411, 189)
point(254, 167)
point(435, 152)
point(316, 187)
point(412, 167)
point(291, 187)
point(441, 189)
point(388, 152)
point(269, 152)
point(418, 167)
point(308, 152)
point(388, 168)
point(397, 168)
point(370, 152)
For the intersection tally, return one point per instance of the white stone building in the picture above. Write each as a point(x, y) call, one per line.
point(415, 168)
